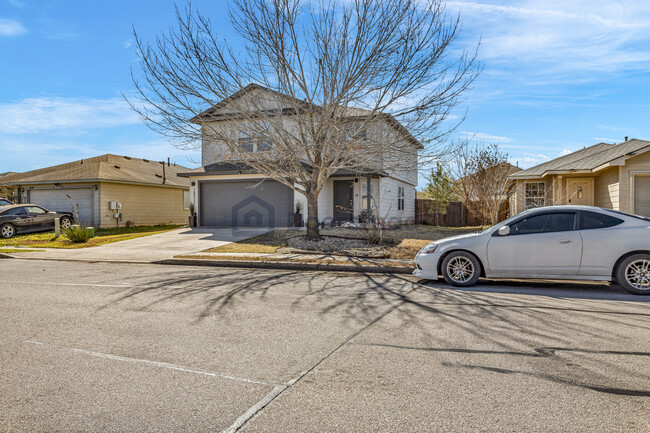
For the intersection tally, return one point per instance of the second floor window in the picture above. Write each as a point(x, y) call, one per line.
point(252, 138)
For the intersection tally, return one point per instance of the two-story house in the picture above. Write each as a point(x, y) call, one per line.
point(227, 191)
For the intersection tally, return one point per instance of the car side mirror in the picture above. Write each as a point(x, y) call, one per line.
point(504, 231)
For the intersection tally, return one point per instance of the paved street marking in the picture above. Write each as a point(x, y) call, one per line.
point(145, 361)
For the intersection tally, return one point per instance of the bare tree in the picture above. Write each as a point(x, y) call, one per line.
point(357, 85)
point(483, 184)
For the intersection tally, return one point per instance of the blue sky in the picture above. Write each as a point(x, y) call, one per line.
point(559, 75)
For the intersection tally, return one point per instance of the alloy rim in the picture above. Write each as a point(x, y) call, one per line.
point(637, 274)
point(65, 223)
point(7, 231)
point(460, 269)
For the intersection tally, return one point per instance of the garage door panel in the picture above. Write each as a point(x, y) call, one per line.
point(642, 195)
point(245, 203)
point(57, 200)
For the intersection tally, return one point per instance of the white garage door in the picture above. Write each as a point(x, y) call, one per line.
point(642, 195)
point(57, 200)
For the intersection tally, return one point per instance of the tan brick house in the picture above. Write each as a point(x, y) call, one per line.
point(613, 176)
point(149, 192)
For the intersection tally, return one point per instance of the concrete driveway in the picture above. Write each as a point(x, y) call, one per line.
point(155, 247)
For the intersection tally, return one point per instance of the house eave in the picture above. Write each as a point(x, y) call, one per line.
point(76, 181)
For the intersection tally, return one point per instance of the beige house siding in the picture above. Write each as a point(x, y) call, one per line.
point(607, 189)
point(638, 165)
point(142, 204)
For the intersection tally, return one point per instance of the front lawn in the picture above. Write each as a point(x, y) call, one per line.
point(402, 243)
point(102, 236)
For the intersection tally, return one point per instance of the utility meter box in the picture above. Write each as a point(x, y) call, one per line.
point(119, 205)
point(114, 205)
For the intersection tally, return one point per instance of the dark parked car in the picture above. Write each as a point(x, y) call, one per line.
point(27, 218)
point(5, 202)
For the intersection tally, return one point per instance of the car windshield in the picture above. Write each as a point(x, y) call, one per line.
point(627, 214)
point(3, 209)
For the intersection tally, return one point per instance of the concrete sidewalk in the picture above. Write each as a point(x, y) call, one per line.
point(149, 249)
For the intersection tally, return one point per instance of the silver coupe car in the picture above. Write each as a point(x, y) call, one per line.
point(555, 242)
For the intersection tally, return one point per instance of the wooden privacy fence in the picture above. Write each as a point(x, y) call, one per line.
point(457, 214)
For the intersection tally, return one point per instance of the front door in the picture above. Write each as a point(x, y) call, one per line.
point(537, 246)
point(343, 200)
point(580, 192)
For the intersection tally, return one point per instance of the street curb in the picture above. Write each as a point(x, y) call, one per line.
point(63, 259)
point(300, 266)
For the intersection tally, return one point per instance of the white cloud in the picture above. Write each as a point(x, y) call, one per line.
point(577, 39)
point(527, 161)
point(37, 115)
point(481, 137)
point(565, 152)
point(11, 27)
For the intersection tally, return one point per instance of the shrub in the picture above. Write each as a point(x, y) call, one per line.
point(78, 234)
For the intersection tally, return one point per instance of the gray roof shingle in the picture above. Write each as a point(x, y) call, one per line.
point(104, 168)
point(588, 158)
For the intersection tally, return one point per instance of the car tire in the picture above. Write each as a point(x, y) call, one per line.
point(65, 222)
point(633, 274)
point(461, 269)
point(7, 230)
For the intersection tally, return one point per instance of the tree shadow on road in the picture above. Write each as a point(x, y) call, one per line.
point(504, 318)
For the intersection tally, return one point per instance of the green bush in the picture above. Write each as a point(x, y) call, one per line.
point(78, 234)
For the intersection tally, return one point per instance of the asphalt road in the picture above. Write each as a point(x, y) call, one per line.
point(126, 347)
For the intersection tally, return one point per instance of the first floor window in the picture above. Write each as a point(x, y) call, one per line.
point(535, 195)
point(186, 199)
point(401, 193)
point(364, 194)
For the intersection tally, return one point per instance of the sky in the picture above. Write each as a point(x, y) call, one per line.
point(558, 76)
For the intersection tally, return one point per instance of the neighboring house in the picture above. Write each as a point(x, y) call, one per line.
point(613, 176)
point(149, 192)
point(227, 192)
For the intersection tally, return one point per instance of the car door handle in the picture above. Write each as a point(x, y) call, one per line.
point(565, 241)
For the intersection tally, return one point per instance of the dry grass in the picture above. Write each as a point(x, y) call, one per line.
point(407, 249)
point(18, 250)
point(402, 243)
point(102, 237)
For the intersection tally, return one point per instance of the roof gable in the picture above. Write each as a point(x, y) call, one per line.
point(263, 98)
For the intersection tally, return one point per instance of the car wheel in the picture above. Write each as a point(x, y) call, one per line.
point(461, 269)
point(7, 230)
point(65, 222)
point(633, 274)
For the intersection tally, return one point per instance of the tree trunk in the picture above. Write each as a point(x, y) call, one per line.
point(312, 219)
